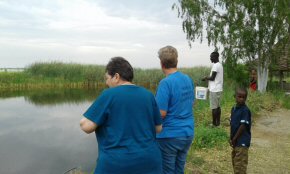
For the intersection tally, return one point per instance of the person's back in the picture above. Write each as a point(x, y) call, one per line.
point(175, 97)
point(129, 123)
point(179, 120)
point(128, 133)
point(125, 119)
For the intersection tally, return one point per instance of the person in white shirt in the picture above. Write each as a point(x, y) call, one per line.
point(215, 86)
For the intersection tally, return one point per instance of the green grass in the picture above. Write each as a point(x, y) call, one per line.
point(208, 137)
point(282, 98)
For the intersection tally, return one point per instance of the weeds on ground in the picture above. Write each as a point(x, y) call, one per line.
point(208, 137)
point(282, 98)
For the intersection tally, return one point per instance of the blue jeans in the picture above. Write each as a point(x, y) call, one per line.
point(174, 152)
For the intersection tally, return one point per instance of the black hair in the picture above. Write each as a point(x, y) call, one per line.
point(215, 54)
point(122, 67)
point(243, 89)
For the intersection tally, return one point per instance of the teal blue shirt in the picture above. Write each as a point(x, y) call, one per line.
point(126, 116)
point(175, 95)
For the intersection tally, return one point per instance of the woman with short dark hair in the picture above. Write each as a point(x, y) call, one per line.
point(125, 118)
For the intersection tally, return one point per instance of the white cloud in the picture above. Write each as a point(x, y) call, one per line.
point(87, 31)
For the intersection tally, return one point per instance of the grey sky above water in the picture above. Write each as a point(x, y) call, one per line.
point(93, 31)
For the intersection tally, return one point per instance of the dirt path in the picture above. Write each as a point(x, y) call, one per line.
point(270, 148)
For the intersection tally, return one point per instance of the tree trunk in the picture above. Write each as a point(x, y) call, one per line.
point(281, 76)
point(262, 78)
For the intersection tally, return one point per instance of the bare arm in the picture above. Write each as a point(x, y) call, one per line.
point(158, 128)
point(163, 113)
point(87, 125)
point(211, 78)
point(241, 129)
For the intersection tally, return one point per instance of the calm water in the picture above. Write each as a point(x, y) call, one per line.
point(40, 134)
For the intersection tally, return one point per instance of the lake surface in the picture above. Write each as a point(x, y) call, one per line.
point(40, 133)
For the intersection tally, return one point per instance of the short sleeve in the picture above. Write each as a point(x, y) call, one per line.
point(162, 96)
point(246, 117)
point(215, 67)
point(98, 111)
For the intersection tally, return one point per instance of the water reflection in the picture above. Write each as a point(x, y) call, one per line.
point(54, 96)
point(39, 132)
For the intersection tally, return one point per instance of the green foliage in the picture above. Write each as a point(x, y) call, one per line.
point(67, 71)
point(240, 26)
point(58, 72)
point(208, 137)
point(268, 101)
point(197, 73)
point(281, 97)
point(152, 76)
point(13, 77)
point(155, 75)
point(246, 30)
point(286, 101)
point(239, 73)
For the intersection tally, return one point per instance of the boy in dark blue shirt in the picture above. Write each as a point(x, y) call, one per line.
point(240, 132)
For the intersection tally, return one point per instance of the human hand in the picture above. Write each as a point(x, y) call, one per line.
point(233, 143)
point(230, 142)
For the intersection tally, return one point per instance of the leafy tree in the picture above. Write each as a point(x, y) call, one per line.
point(245, 30)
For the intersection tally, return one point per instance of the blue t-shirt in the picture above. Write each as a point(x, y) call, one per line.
point(126, 116)
point(241, 115)
point(175, 95)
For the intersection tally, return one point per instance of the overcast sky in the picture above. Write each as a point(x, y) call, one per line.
point(93, 31)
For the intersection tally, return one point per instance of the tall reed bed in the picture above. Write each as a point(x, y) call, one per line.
point(150, 78)
point(13, 77)
point(79, 73)
point(67, 71)
point(72, 75)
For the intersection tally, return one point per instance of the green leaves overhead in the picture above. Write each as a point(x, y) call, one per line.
point(245, 29)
